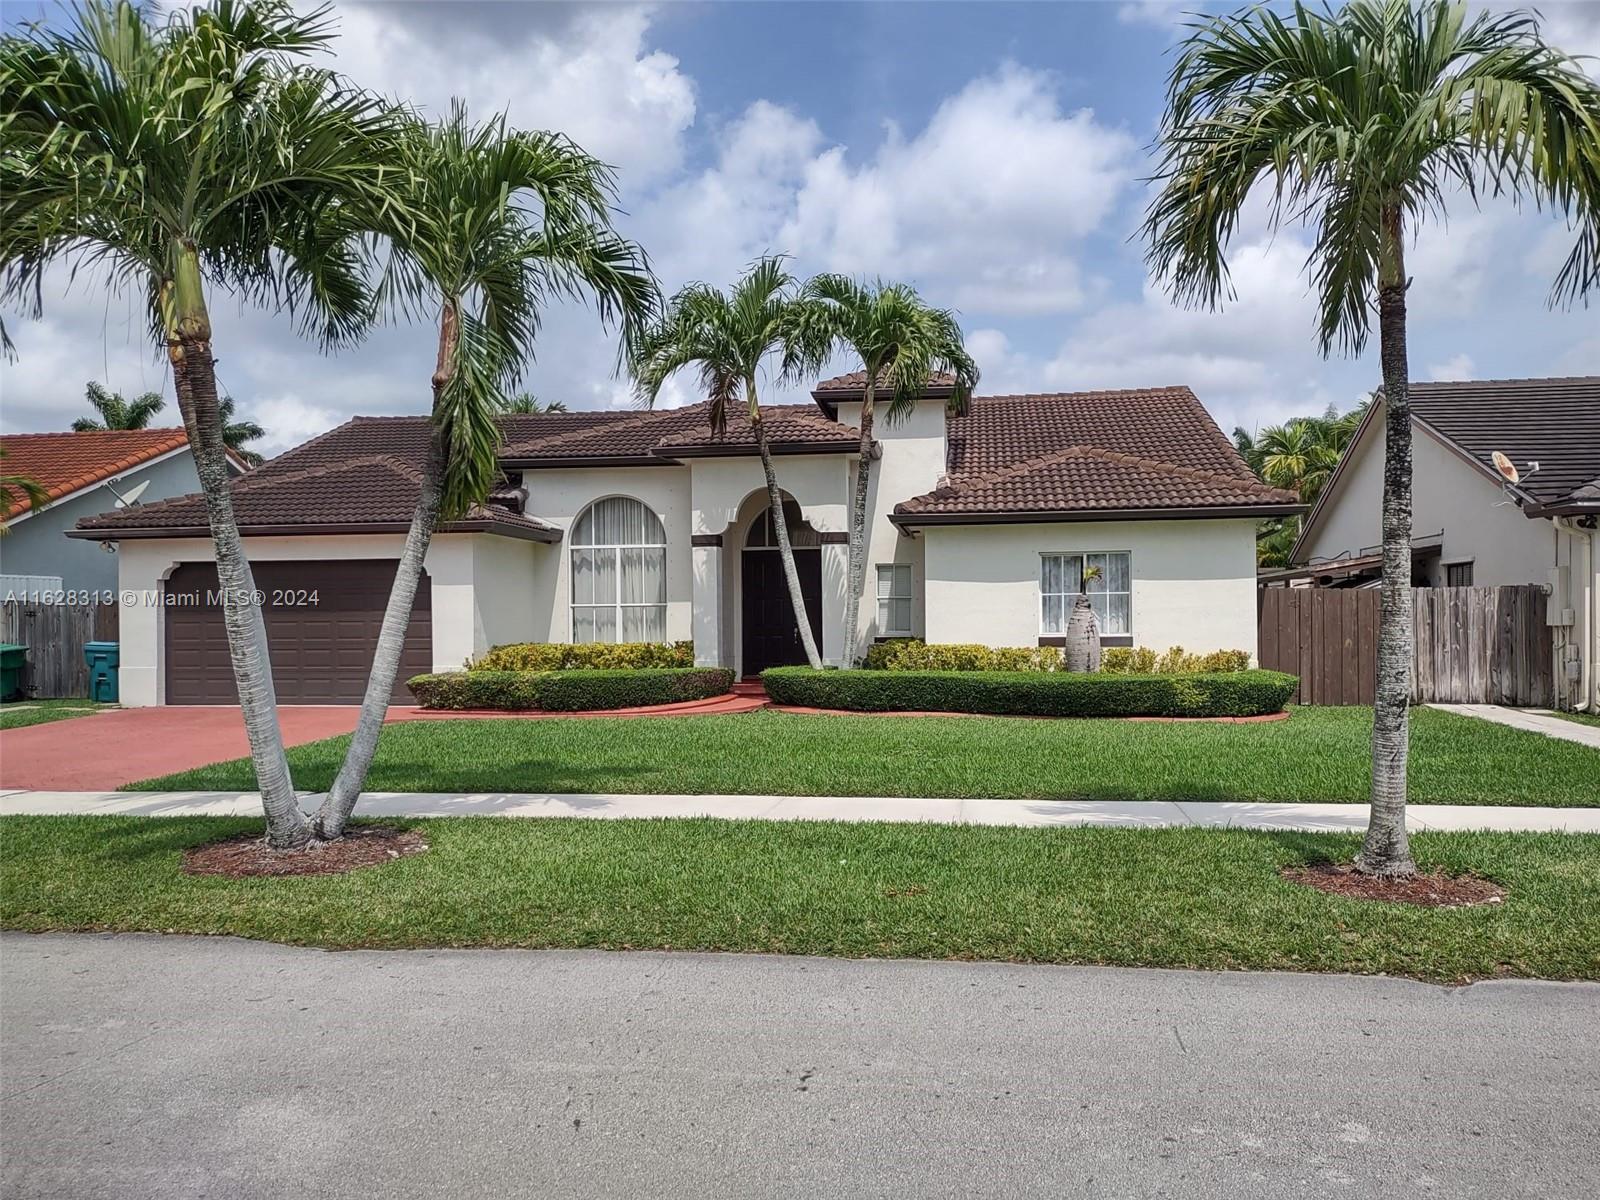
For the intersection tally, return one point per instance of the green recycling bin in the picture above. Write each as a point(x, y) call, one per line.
point(12, 659)
point(102, 660)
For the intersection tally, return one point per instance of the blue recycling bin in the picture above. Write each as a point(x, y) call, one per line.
point(102, 659)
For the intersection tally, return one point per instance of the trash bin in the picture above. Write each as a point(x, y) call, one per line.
point(102, 660)
point(12, 659)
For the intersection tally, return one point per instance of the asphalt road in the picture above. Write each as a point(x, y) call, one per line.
point(177, 1067)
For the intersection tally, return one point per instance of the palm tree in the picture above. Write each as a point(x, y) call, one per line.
point(117, 413)
point(1300, 455)
point(729, 336)
point(1363, 122)
point(27, 487)
point(1083, 628)
point(527, 404)
point(496, 224)
point(235, 433)
point(901, 342)
point(178, 157)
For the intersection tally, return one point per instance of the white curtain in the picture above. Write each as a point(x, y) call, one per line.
point(619, 573)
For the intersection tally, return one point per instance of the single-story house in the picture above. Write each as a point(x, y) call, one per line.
point(637, 526)
point(1471, 525)
point(84, 474)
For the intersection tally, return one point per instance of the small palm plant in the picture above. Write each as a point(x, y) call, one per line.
point(25, 486)
point(113, 412)
point(1083, 629)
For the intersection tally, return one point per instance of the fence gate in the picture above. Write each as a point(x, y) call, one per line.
point(54, 635)
point(1471, 645)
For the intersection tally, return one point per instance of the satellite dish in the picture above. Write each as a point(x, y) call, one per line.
point(1507, 468)
point(131, 498)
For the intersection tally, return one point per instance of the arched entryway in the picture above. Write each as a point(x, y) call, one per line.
point(771, 636)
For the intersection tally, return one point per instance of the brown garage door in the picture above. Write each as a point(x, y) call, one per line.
point(322, 626)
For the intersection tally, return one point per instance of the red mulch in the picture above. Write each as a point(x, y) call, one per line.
point(1425, 889)
point(249, 855)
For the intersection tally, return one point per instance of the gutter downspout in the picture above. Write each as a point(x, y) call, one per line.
point(1591, 611)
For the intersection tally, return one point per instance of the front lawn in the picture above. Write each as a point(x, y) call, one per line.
point(1318, 754)
point(1166, 898)
point(22, 713)
point(1583, 718)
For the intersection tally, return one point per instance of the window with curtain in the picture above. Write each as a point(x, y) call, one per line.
point(894, 599)
point(1061, 578)
point(619, 573)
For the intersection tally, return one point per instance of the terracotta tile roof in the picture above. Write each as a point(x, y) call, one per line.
point(855, 381)
point(363, 474)
point(63, 463)
point(663, 433)
point(1093, 479)
point(1142, 449)
point(1554, 422)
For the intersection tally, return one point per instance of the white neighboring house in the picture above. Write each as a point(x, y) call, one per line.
point(1470, 526)
point(632, 526)
point(84, 474)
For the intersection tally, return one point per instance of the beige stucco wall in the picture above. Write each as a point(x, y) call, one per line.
point(1447, 494)
point(1193, 582)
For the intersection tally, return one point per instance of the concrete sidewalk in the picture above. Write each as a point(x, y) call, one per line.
point(1144, 814)
point(1531, 720)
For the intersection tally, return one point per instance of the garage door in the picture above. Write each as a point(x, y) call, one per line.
point(322, 626)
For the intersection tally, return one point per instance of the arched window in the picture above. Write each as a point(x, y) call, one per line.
point(763, 534)
point(619, 573)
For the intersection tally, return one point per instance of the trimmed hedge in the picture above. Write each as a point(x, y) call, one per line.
point(591, 656)
point(569, 691)
point(1142, 660)
point(1034, 694)
point(911, 654)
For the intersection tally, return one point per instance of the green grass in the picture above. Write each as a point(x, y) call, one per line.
point(1583, 718)
point(1318, 754)
point(23, 713)
point(1170, 898)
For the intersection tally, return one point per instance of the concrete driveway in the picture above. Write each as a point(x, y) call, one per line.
point(175, 1067)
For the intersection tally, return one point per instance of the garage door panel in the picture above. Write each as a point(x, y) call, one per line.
point(322, 623)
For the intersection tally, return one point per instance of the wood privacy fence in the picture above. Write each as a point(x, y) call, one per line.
point(54, 635)
point(1472, 645)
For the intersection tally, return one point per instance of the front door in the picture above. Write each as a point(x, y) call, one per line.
point(771, 636)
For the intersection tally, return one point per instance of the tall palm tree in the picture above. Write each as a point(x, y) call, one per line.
point(178, 157)
point(496, 224)
point(527, 404)
point(14, 487)
point(1363, 122)
point(117, 413)
point(730, 336)
point(235, 433)
point(900, 341)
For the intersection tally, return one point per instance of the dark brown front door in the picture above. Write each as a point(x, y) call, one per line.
point(771, 636)
point(322, 631)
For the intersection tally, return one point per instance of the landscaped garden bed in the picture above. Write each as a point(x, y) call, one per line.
point(1162, 898)
point(595, 690)
point(1034, 693)
point(1318, 754)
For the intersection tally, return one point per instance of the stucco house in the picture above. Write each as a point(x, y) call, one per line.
point(84, 474)
point(1470, 526)
point(627, 526)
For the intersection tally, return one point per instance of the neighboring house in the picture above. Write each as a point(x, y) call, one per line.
point(630, 526)
point(84, 474)
point(1470, 526)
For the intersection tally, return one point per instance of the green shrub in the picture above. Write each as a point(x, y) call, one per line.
point(568, 691)
point(1142, 660)
point(1035, 693)
point(591, 656)
point(909, 654)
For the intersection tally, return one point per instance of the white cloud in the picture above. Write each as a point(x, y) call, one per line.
point(1452, 369)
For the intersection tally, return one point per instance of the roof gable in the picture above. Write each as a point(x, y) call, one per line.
point(66, 462)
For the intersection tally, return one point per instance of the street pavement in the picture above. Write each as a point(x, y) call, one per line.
point(147, 1066)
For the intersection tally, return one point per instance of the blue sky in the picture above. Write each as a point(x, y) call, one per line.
point(993, 154)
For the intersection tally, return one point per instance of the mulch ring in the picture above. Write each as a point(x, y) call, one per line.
point(249, 855)
point(1425, 889)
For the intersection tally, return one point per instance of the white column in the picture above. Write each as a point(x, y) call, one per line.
point(706, 616)
point(835, 576)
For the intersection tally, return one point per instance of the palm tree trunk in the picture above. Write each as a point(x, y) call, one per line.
point(1386, 849)
point(780, 525)
point(856, 575)
point(195, 383)
point(341, 799)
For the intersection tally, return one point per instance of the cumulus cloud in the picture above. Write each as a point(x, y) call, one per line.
point(1452, 369)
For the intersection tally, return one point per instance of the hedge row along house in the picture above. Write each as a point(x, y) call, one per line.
point(645, 526)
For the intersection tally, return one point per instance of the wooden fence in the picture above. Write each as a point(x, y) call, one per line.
point(54, 635)
point(1477, 645)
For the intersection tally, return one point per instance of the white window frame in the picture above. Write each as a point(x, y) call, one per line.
point(1069, 597)
point(618, 605)
point(896, 572)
